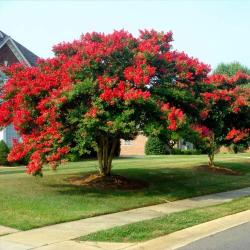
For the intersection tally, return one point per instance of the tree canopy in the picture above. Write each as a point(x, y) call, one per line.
point(225, 117)
point(104, 87)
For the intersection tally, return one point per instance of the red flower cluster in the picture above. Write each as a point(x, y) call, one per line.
point(135, 94)
point(189, 69)
point(237, 135)
point(32, 97)
point(57, 155)
point(234, 97)
point(175, 116)
point(216, 79)
point(121, 91)
point(217, 95)
point(6, 113)
point(92, 112)
point(35, 163)
point(96, 46)
point(140, 74)
point(18, 151)
point(152, 42)
point(202, 130)
point(204, 114)
point(238, 79)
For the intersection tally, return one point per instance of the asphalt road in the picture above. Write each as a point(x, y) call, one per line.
point(236, 238)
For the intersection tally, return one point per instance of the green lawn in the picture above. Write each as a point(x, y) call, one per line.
point(27, 202)
point(149, 229)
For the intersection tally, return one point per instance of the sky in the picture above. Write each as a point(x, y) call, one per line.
point(213, 31)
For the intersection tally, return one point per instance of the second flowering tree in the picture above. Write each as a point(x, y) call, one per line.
point(225, 117)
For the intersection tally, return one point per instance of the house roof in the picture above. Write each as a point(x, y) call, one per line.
point(2, 37)
point(29, 56)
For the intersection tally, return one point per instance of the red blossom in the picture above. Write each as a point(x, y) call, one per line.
point(175, 116)
point(135, 94)
point(204, 114)
point(237, 135)
point(35, 163)
point(202, 130)
point(92, 112)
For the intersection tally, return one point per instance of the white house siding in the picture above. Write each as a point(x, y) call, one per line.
point(8, 133)
point(1, 135)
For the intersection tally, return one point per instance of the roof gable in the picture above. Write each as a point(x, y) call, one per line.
point(29, 57)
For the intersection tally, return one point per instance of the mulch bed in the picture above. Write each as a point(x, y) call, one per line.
point(107, 182)
point(217, 170)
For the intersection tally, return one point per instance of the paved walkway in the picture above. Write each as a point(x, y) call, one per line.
point(54, 234)
point(7, 230)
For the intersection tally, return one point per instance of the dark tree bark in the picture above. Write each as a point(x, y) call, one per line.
point(212, 150)
point(105, 154)
point(211, 160)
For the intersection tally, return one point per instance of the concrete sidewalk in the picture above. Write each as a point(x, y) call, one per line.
point(172, 241)
point(7, 230)
point(63, 232)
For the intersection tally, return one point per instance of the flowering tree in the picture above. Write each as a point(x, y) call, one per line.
point(97, 90)
point(225, 117)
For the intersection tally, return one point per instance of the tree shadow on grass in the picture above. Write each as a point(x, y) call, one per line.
point(173, 183)
point(240, 167)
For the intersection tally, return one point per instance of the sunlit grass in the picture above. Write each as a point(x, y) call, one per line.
point(27, 202)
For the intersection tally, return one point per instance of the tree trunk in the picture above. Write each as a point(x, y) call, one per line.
point(105, 154)
point(211, 153)
point(211, 160)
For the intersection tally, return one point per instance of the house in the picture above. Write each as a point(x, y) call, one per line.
point(137, 146)
point(133, 147)
point(12, 52)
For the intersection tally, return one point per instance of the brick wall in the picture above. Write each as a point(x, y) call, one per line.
point(7, 55)
point(133, 147)
point(224, 149)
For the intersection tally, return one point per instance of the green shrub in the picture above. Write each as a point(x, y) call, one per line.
point(155, 146)
point(73, 157)
point(4, 151)
point(238, 148)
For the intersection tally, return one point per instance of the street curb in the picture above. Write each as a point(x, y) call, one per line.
point(186, 236)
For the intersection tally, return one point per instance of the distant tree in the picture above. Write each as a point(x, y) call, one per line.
point(230, 69)
point(4, 151)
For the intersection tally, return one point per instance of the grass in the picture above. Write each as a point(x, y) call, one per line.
point(28, 202)
point(149, 229)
